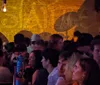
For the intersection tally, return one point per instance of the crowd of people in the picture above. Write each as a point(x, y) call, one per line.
point(34, 61)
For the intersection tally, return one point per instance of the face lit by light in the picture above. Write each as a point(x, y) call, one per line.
point(96, 53)
point(78, 72)
point(61, 65)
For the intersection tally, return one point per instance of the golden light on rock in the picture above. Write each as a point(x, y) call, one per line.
point(37, 16)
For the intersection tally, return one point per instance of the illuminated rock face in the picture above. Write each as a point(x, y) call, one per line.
point(37, 16)
point(86, 19)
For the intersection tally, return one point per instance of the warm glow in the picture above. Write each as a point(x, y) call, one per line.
point(37, 16)
point(4, 8)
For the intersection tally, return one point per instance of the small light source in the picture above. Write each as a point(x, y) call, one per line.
point(4, 8)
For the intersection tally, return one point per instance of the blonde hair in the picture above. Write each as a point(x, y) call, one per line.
point(74, 58)
point(70, 64)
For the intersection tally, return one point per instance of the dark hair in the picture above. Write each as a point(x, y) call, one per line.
point(94, 42)
point(21, 47)
point(9, 47)
point(69, 45)
point(1, 53)
point(40, 42)
point(77, 33)
point(92, 71)
point(65, 55)
point(19, 38)
point(56, 36)
point(27, 41)
point(52, 55)
point(54, 40)
point(85, 39)
point(97, 37)
point(38, 58)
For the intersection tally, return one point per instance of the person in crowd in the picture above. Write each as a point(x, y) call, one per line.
point(77, 35)
point(5, 74)
point(19, 39)
point(49, 62)
point(4, 44)
point(86, 72)
point(33, 68)
point(37, 64)
point(72, 59)
point(13, 59)
point(63, 60)
point(69, 45)
point(39, 45)
point(15, 54)
point(20, 63)
point(28, 43)
point(95, 47)
point(42, 77)
point(8, 53)
point(84, 42)
point(55, 42)
point(34, 38)
point(38, 74)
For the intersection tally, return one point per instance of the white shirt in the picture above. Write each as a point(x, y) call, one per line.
point(60, 81)
point(53, 77)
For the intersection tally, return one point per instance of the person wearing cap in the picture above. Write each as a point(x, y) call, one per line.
point(34, 38)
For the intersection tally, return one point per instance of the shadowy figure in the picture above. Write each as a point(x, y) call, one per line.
point(26, 33)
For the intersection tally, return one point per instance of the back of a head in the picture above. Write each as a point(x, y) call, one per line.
point(85, 39)
point(19, 38)
point(65, 55)
point(92, 71)
point(77, 33)
point(10, 47)
point(69, 46)
point(52, 55)
point(35, 37)
point(40, 42)
point(54, 39)
point(95, 41)
point(56, 36)
point(97, 37)
point(21, 48)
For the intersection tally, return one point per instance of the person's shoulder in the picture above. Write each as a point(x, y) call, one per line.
point(4, 68)
point(5, 71)
point(43, 72)
point(54, 72)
